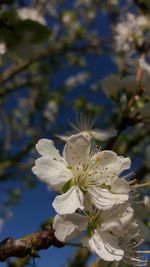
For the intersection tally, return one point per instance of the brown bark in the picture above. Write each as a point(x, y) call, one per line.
point(28, 245)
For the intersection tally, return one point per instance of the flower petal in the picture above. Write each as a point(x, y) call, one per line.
point(63, 137)
point(69, 227)
point(69, 202)
point(51, 171)
point(77, 150)
point(109, 165)
point(116, 219)
point(103, 199)
point(105, 246)
point(120, 186)
point(103, 135)
point(46, 147)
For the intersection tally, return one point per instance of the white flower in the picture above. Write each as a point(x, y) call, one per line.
point(32, 14)
point(113, 85)
point(68, 227)
point(144, 65)
point(84, 126)
point(77, 79)
point(129, 241)
point(130, 32)
point(79, 175)
point(147, 201)
point(51, 110)
point(2, 48)
point(103, 229)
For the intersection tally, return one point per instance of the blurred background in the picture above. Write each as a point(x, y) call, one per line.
point(60, 60)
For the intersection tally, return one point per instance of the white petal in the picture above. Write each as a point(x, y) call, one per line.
point(103, 135)
point(51, 171)
point(77, 150)
point(69, 202)
point(105, 246)
point(103, 199)
point(120, 186)
point(62, 137)
point(116, 219)
point(69, 227)
point(144, 65)
point(46, 147)
point(109, 165)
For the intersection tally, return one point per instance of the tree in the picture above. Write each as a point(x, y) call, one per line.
point(59, 58)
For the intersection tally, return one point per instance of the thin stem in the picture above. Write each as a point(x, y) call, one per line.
point(143, 185)
point(74, 244)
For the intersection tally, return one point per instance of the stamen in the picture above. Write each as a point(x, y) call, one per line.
point(143, 185)
point(143, 251)
point(83, 123)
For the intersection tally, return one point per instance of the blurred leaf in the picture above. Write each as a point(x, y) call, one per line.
point(15, 32)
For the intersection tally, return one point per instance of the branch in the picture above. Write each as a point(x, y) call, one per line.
point(52, 51)
point(126, 119)
point(17, 86)
point(28, 245)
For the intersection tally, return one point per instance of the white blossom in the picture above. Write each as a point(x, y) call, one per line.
point(130, 31)
point(51, 110)
point(147, 201)
point(32, 14)
point(2, 48)
point(80, 174)
point(113, 86)
point(103, 229)
point(84, 126)
point(129, 241)
point(77, 79)
point(144, 65)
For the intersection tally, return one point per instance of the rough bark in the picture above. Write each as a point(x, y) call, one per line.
point(28, 245)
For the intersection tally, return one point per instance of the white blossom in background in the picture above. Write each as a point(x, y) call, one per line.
point(129, 242)
point(81, 174)
point(21, 114)
point(67, 17)
point(103, 229)
point(144, 65)
point(77, 79)
point(51, 110)
point(32, 14)
point(2, 48)
point(146, 202)
point(130, 31)
point(112, 85)
point(84, 126)
point(83, 2)
point(113, 2)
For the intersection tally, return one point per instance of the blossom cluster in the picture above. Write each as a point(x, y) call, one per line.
point(93, 202)
point(130, 32)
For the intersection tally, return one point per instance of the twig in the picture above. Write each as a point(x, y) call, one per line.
point(126, 120)
point(28, 245)
point(52, 51)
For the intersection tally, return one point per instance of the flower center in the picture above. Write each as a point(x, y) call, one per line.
point(83, 177)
